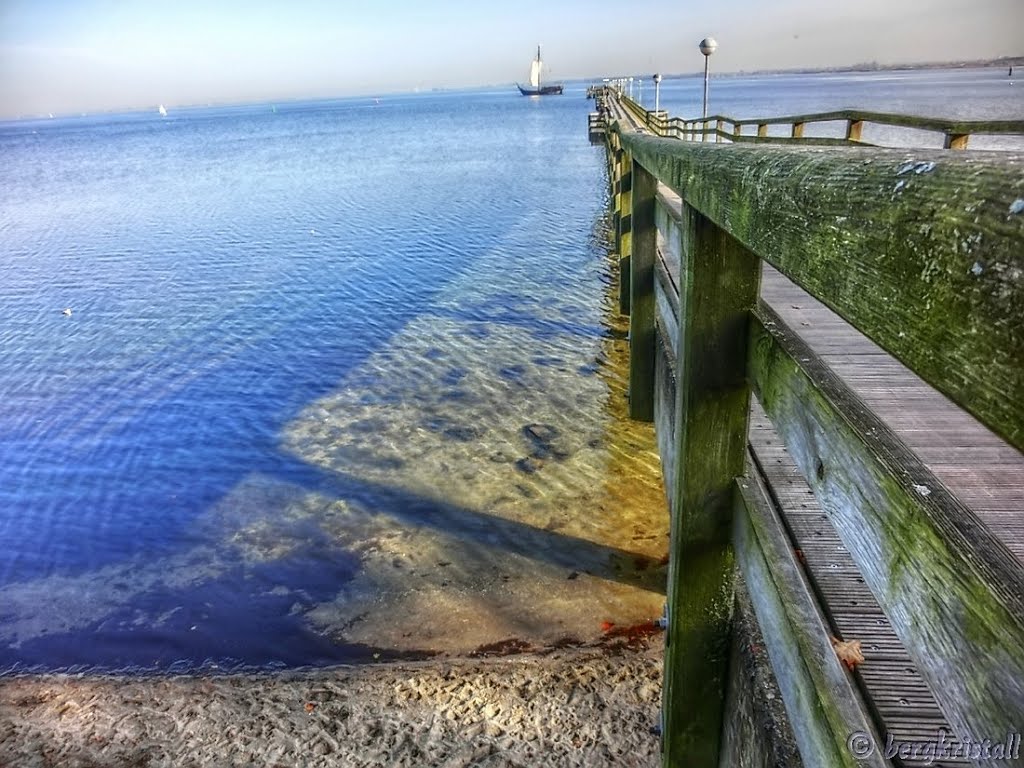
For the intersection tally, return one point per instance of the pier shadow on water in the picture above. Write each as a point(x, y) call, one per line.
point(434, 473)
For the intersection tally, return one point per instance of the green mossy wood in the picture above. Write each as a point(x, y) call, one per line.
point(624, 226)
point(920, 250)
point(719, 285)
point(644, 244)
point(953, 593)
point(820, 695)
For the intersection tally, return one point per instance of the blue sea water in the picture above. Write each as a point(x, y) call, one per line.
point(315, 343)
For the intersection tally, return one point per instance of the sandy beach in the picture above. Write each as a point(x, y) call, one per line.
point(584, 706)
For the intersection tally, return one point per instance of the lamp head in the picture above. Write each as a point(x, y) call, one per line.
point(708, 46)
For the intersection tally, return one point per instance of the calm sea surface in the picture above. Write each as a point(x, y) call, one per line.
point(341, 380)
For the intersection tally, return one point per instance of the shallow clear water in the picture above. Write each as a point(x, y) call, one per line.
point(340, 379)
point(305, 351)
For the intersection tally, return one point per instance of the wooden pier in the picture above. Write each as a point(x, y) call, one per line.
point(869, 499)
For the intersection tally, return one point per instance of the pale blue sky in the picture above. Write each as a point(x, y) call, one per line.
point(86, 55)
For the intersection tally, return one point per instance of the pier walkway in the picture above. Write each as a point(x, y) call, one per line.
point(868, 501)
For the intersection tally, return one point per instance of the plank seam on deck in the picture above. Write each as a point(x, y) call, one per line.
point(898, 692)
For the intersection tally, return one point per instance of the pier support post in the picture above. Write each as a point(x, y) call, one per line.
point(614, 180)
point(624, 240)
point(644, 246)
point(719, 281)
point(644, 251)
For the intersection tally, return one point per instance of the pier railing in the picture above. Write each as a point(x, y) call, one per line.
point(923, 252)
point(955, 133)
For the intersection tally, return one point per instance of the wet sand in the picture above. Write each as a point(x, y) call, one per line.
point(586, 706)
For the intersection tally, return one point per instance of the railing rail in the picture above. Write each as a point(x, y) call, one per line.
point(956, 133)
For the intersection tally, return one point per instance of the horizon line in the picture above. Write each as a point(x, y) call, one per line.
point(870, 66)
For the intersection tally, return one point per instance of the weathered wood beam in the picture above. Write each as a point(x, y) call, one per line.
point(614, 142)
point(644, 246)
point(821, 698)
point(854, 129)
point(952, 592)
point(625, 289)
point(669, 223)
point(624, 239)
point(937, 124)
point(956, 140)
point(719, 285)
point(937, 278)
point(959, 129)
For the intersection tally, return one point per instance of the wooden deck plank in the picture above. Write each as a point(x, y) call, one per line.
point(888, 678)
point(986, 473)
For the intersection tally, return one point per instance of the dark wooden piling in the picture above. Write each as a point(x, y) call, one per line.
point(644, 244)
point(625, 228)
point(718, 289)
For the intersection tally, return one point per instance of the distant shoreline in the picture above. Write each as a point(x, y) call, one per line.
point(872, 66)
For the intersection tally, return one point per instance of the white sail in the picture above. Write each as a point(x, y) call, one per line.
point(162, 111)
point(535, 73)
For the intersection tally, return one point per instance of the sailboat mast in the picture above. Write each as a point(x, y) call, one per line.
point(538, 67)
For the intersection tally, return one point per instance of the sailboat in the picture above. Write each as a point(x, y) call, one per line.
point(536, 89)
point(162, 111)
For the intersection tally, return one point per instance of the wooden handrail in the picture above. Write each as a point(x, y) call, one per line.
point(904, 286)
point(956, 132)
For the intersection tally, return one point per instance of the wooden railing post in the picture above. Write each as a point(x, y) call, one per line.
point(719, 286)
point(956, 141)
point(854, 128)
point(644, 245)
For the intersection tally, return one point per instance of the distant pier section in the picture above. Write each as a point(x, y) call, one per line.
point(829, 339)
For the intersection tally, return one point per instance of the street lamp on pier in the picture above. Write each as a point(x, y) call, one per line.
point(657, 92)
point(707, 46)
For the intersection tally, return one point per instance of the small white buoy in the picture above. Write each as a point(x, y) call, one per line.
point(66, 312)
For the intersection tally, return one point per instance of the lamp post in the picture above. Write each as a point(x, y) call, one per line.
point(707, 46)
point(631, 87)
point(657, 92)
